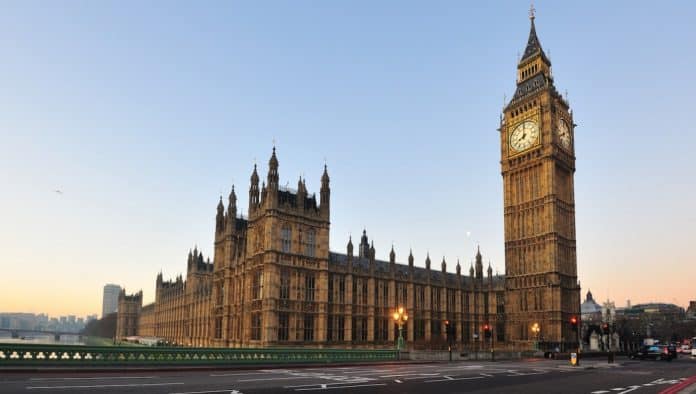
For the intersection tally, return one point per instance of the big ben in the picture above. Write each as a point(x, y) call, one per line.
point(538, 164)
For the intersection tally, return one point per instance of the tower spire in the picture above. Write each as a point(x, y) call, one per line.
point(533, 44)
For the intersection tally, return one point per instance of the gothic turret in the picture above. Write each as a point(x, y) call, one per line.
point(273, 171)
point(459, 268)
point(471, 270)
point(254, 191)
point(444, 265)
point(272, 179)
point(232, 207)
point(325, 194)
point(349, 248)
point(427, 261)
point(220, 217)
point(410, 258)
point(364, 248)
point(301, 194)
point(479, 264)
point(392, 255)
point(372, 252)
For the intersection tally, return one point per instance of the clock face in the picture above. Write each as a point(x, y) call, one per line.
point(564, 134)
point(524, 136)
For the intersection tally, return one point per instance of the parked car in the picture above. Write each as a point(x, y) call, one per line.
point(655, 352)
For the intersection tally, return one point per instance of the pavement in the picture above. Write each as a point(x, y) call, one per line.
point(523, 376)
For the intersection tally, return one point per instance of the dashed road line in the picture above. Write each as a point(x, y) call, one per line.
point(94, 386)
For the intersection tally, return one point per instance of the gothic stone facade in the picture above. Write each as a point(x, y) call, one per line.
point(274, 281)
point(128, 314)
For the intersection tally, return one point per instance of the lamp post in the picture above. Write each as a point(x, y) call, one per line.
point(535, 330)
point(400, 317)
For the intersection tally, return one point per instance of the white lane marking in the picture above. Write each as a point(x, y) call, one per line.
point(618, 389)
point(397, 381)
point(629, 389)
point(283, 378)
point(103, 386)
point(600, 392)
point(342, 387)
point(648, 384)
point(95, 378)
point(230, 391)
point(486, 375)
point(318, 384)
point(240, 374)
point(451, 379)
point(409, 374)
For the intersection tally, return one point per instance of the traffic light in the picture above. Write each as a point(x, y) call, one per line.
point(605, 328)
point(487, 330)
point(574, 323)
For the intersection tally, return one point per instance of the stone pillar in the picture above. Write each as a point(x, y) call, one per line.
point(348, 324)
point(371, 309)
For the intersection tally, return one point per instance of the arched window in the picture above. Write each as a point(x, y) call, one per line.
point(285, 239)
point(310, 243)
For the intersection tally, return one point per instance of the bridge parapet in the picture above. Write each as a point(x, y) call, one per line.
point(61, 355)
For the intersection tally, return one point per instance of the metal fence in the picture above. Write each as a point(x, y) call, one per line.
point(62, 355)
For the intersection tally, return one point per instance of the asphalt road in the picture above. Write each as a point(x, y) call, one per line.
point(527, 376)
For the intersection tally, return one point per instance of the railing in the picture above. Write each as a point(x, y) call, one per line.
point(62, 355)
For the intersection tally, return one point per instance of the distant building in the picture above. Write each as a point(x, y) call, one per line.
point(691, 312)
point(110, 299)
point(653, 311)
point(590, 309)
point(129, 307)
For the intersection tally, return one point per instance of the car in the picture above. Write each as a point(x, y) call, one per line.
point(655, 352)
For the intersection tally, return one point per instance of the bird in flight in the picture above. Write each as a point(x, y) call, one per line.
point(58, 191)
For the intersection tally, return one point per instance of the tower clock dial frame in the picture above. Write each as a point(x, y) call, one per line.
point(524, 135)
point(564, 135)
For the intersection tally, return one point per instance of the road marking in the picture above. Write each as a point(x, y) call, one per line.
point(397, 381)
point(629, 389)
point(283, 378)
point(600, 392)
point(230, 391)
point(408, 374)
point(239, 374)
point(486, 375)
point(342, 387)
point(618, 389)
point(103, 386)
point(95, 378)
point(449, 379)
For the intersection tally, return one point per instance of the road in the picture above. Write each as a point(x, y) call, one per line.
point(526, 376)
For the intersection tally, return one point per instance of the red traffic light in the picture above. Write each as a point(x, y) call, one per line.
point(573, 320)
point(447, 322)
point(486, 327)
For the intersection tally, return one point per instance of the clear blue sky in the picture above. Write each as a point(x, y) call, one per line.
point(142, 114)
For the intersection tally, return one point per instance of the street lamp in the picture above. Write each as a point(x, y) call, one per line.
point(535, 330)
point(400, 317)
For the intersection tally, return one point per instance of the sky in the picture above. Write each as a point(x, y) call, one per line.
point(143, 113)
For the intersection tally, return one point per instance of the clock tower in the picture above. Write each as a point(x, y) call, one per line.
point(538, 165)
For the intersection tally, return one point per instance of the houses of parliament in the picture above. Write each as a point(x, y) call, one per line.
point(273, 282)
